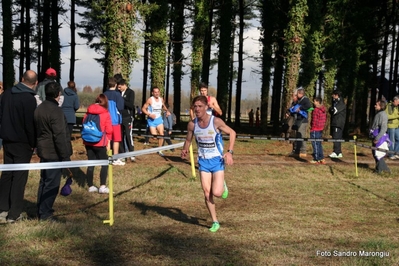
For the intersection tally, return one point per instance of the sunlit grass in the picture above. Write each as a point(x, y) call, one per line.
point(280, 211)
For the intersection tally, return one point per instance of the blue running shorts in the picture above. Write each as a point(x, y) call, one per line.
point(154, 122)
point(212, 165)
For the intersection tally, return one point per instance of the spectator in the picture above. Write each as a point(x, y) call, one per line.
point(70, 105)
point(115, 106)
point(53, 145)
point(1, 94)
point(301, 122)
point(98, 151)
point(319, 118)
point(379, 136)
point(50, 76)
point(251, 118)
point(338, 117)
point(168, 126)
point(18, 105)
point(392, 111)
point(257, 121)
point(127, 117)
point(289, 120)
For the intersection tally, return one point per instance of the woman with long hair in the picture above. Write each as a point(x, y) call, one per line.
point(98, 151)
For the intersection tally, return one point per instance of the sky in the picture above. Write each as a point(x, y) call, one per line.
point(89, 72)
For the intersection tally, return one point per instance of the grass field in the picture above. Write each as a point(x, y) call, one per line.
point(280, 211)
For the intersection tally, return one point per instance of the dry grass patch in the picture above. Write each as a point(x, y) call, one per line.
point(280, 211)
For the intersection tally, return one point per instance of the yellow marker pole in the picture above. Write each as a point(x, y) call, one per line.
point(111, 191)
point(354, 146)
point(192, 161)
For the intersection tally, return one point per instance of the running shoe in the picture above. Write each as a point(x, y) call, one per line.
point(161, 154)
point(226, 191)
point(215, 227)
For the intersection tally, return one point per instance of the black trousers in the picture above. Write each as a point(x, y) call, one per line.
point(12, 183)
point(96, 153)
point(49, 186)
point(336, 134)
point(127, 135)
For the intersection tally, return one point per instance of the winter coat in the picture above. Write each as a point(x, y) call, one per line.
point(53, 138)
point(16, 115)
point(338, 113)
point(105, 124)
point(304, 105)
point(70, 105)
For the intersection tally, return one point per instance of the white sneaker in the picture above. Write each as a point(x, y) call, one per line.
point(160, 153)
point(333, 155)
point(103, 190)
point(118, 162)
point(93, 189)
point(146, 143)
point(132, 158)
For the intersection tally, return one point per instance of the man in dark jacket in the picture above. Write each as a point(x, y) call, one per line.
point(127, 117)
point(18, 134)
point(338, 117)
point(53, 145)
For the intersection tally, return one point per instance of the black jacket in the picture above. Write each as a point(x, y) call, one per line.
point(304, 105)
point(338, 113)
point(129, 109)
point(53, 139)
point(16, 115)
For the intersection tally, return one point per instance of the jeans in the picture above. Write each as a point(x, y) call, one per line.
point(394, 137)
point(317, 147)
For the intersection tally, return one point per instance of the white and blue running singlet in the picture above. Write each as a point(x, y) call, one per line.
point(155, 108)
point(209, 141)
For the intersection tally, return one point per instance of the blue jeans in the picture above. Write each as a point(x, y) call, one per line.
point(317, 147)
point(394, 137)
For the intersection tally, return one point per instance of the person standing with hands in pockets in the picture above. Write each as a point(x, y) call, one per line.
point(338, 117)
point(207, 130)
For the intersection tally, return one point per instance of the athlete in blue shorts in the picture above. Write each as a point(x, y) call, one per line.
point(153, 109)
point(207, 130)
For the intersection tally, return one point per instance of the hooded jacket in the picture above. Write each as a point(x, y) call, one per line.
point(70, 105)
point(105, 124)
point(16, 115)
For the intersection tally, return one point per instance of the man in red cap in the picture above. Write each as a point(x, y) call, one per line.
point(51, 75)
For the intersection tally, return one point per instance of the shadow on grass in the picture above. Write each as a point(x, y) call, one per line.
point(173, 213)
point(128, 190)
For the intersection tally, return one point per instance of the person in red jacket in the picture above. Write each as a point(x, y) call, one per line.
point(319, 118)
point(98, 151)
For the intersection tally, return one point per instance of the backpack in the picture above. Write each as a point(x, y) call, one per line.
point(91, 130)
point(116, 117)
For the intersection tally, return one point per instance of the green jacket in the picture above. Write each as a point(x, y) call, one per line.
point(393, 115)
